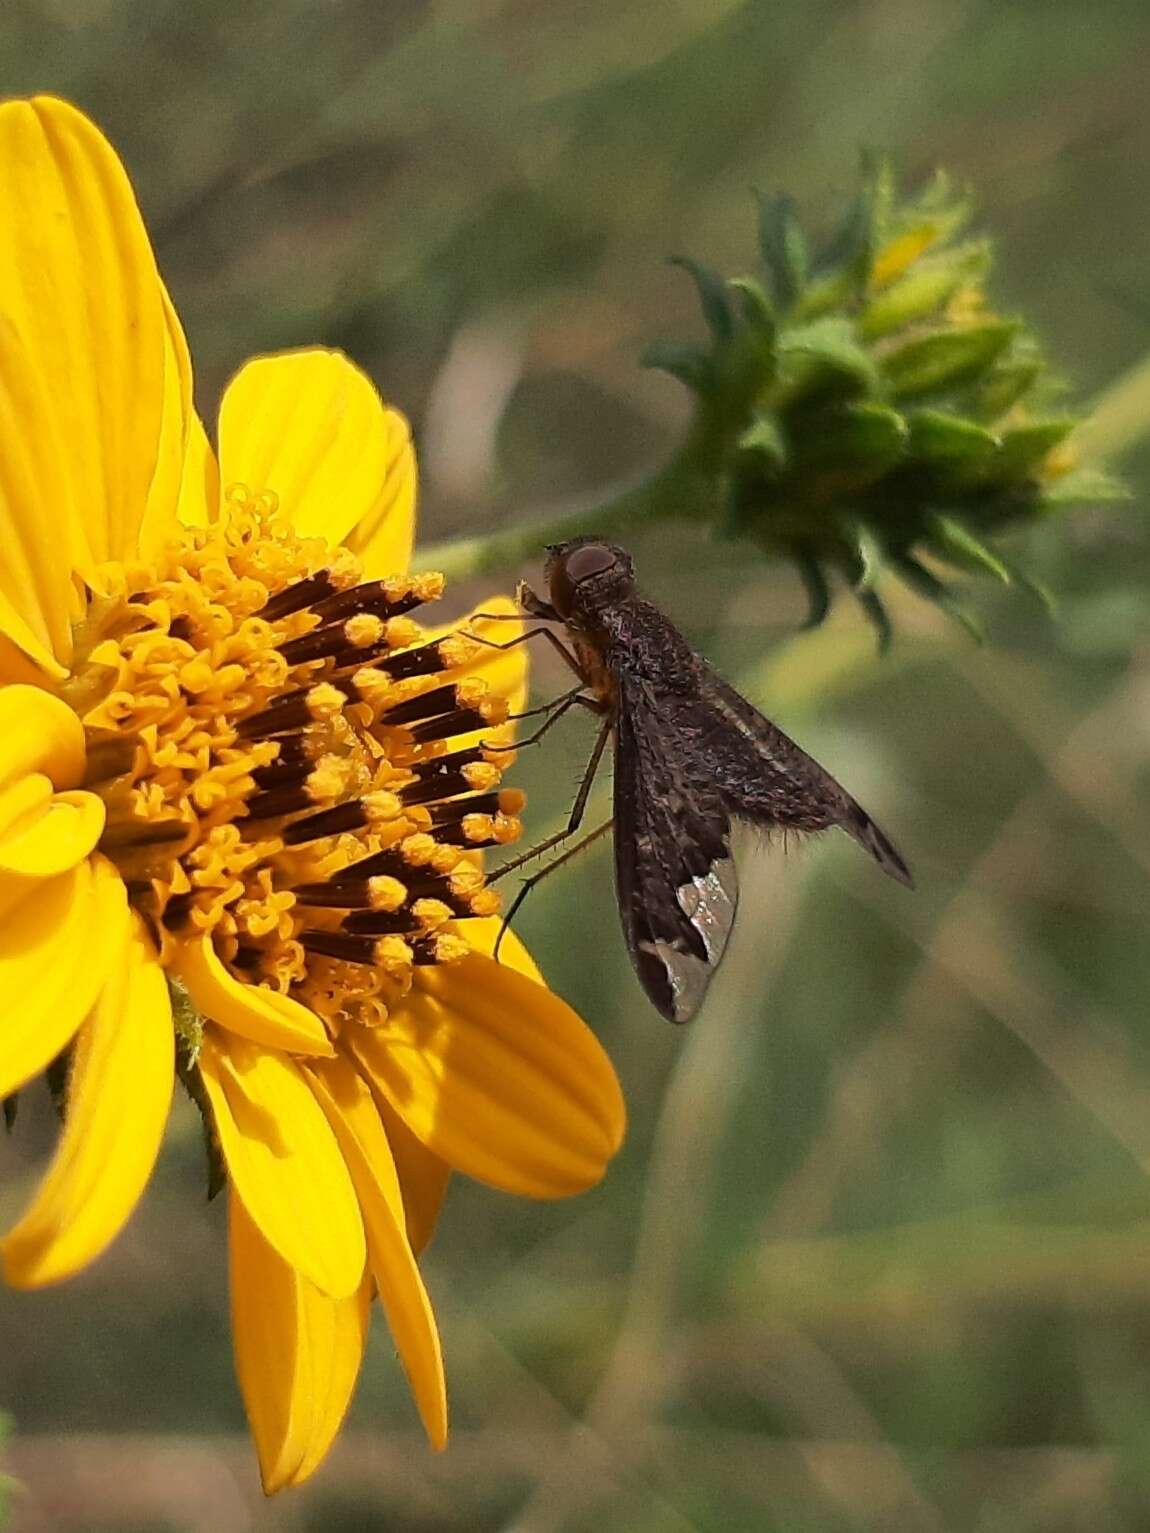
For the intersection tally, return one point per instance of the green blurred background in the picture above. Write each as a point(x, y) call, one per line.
point(876, 1254)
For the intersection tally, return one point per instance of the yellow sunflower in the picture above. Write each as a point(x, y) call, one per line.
point(242, 798)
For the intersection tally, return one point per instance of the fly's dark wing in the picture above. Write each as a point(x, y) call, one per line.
point(673, 868)
point(763, 777)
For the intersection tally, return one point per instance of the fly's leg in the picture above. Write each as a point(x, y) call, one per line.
point(530, 602)
point(558, 706)
point(575, 818)
point(555, 709)
point(534, 713)
point(529, 883)
point(556, 643)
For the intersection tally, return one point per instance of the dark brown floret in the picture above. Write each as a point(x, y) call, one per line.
point(380, 923)
point(372, 596)
point(297, 596)
point(328, 822)
point(341, 945)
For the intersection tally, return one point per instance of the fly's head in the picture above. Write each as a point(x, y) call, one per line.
point(586, 577)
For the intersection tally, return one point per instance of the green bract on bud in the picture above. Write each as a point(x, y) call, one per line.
point(862, 408)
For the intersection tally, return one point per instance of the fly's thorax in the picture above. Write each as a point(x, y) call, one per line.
point(635, 637)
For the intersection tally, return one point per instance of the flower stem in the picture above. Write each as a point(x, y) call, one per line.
point(679, 489)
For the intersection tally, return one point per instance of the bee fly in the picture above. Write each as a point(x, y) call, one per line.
point(691, 755)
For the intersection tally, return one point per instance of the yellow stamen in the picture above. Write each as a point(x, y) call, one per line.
point(465, 878)
point(506, 829)
point(394, 956)
point(363, 630)
point(402, 633)
point(238, 762)
point(325, 702)
point(418, 850)
point(382, 806)
point(485, 902)
point(448, 947)
point(427, 587)
point(481, 775)
point(386, 893)
point(458, 649)
point(431, 913)
point(494, 710)
point(328, 780)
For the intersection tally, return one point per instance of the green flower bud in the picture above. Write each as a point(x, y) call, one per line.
point(862, 407)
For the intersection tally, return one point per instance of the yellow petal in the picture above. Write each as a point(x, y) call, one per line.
point(482, 933)
point(499, 1077)
point(311, 427)
point(423, 1176)
point(351, 1111)
point(297, 1351)
point(40, 540)
point(284, 1162)
point(252, 1011)
point(119, 1092)
point(23, 802)
point(56, 839)
point(39, 733)
point(16, 667)
point(181, 436)
point(82, 292)
point(199, 497)
point(56, 949)
point(383, 538)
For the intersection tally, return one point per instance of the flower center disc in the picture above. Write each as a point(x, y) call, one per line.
point(287, 763)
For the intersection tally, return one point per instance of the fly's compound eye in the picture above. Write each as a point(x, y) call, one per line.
point(574, 568)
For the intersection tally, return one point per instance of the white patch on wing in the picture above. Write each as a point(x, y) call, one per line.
point(709, 904)
point(687, 976)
